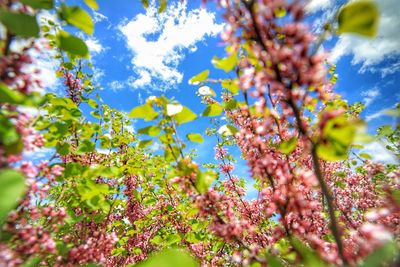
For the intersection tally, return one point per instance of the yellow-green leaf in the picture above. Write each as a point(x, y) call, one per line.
point(145, 111)
point(12, 187)
point(195, 137)
point(213, 110)
point(201, 77)
point(359, 17)
point(186, 115)
point(205, 179)
point(78, 17)
point(288, 146)
point(20, 24)
point(92, 4)
point(169, 258)
point(227, 64)
point(72, 44)
point(150, 130)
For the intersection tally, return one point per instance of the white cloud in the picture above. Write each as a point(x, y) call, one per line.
point(94, 45)
point(370, 95)
point(379, 153)
point(376, 115)
point(98, 17)
point(369, 52)
point(116, 85)
point(317, 5)
point(159, 42)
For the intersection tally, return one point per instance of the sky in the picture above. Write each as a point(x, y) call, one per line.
point(137, 53)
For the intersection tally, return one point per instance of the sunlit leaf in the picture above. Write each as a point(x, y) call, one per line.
point(12, 187)
point(145, 143)
point(92, 4)
point(145, 111)
point(78, 17)
point(227, 64)
point(20, 24)
point(72, 44)
point(199, 78)
point(39, 4)
point(227, 130)
point(288, 146)
point(169, 258)
point(213, 110)
point(195, 137)
point(186, 115)
point(359, 17)
point(150, 130)
point(205, 179)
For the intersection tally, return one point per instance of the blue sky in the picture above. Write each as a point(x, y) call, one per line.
point(138, 53)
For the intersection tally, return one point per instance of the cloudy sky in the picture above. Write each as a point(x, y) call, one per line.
point(138, 53)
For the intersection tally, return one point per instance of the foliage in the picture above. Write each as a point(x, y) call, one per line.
point(110, 196)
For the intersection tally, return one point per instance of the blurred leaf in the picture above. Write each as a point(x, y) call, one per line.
point(337, 136)
point(186, 115)
point(145, 143)
point(163, 6)
point(195, 137)
point(227, 64)
point(359, 17)
point(205, 179)
point(39, 4)
point(231, 86)
point(150, 130)
point(288, 146)
point(12, 187)
point(72, 44)
point(145, 3)
point(383, 256)
point(213, 110)
point(227, 130)
point(201, 77)
point(145, 112)
point(10, 96)
point(85, 146)
point(92, 4)
point(169, 258)
point(20, 24)
point(78, 17)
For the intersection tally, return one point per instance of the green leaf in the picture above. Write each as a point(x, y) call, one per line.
point(76, 16)
point(92, 4)
point(213, 110)
point(10, 96)
point(145, 112)
point(231, 86)
point(145, 143)
point(195, 137)
point(365, 156)
point(12, 187)
point(205, 179)
point(85, 146)
point(383, 256)
point(337, 136)
point(163, 6)
point(150, 130)
point(227, 64)
point(199, 78)
point(72, 44)
point(145, 3)
point(20, 24)
point(288, 146)
point(186, 115)
point(169, 258)
point(39, 4)
point(359, 17)
point(227, 130)
point(63, 148)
